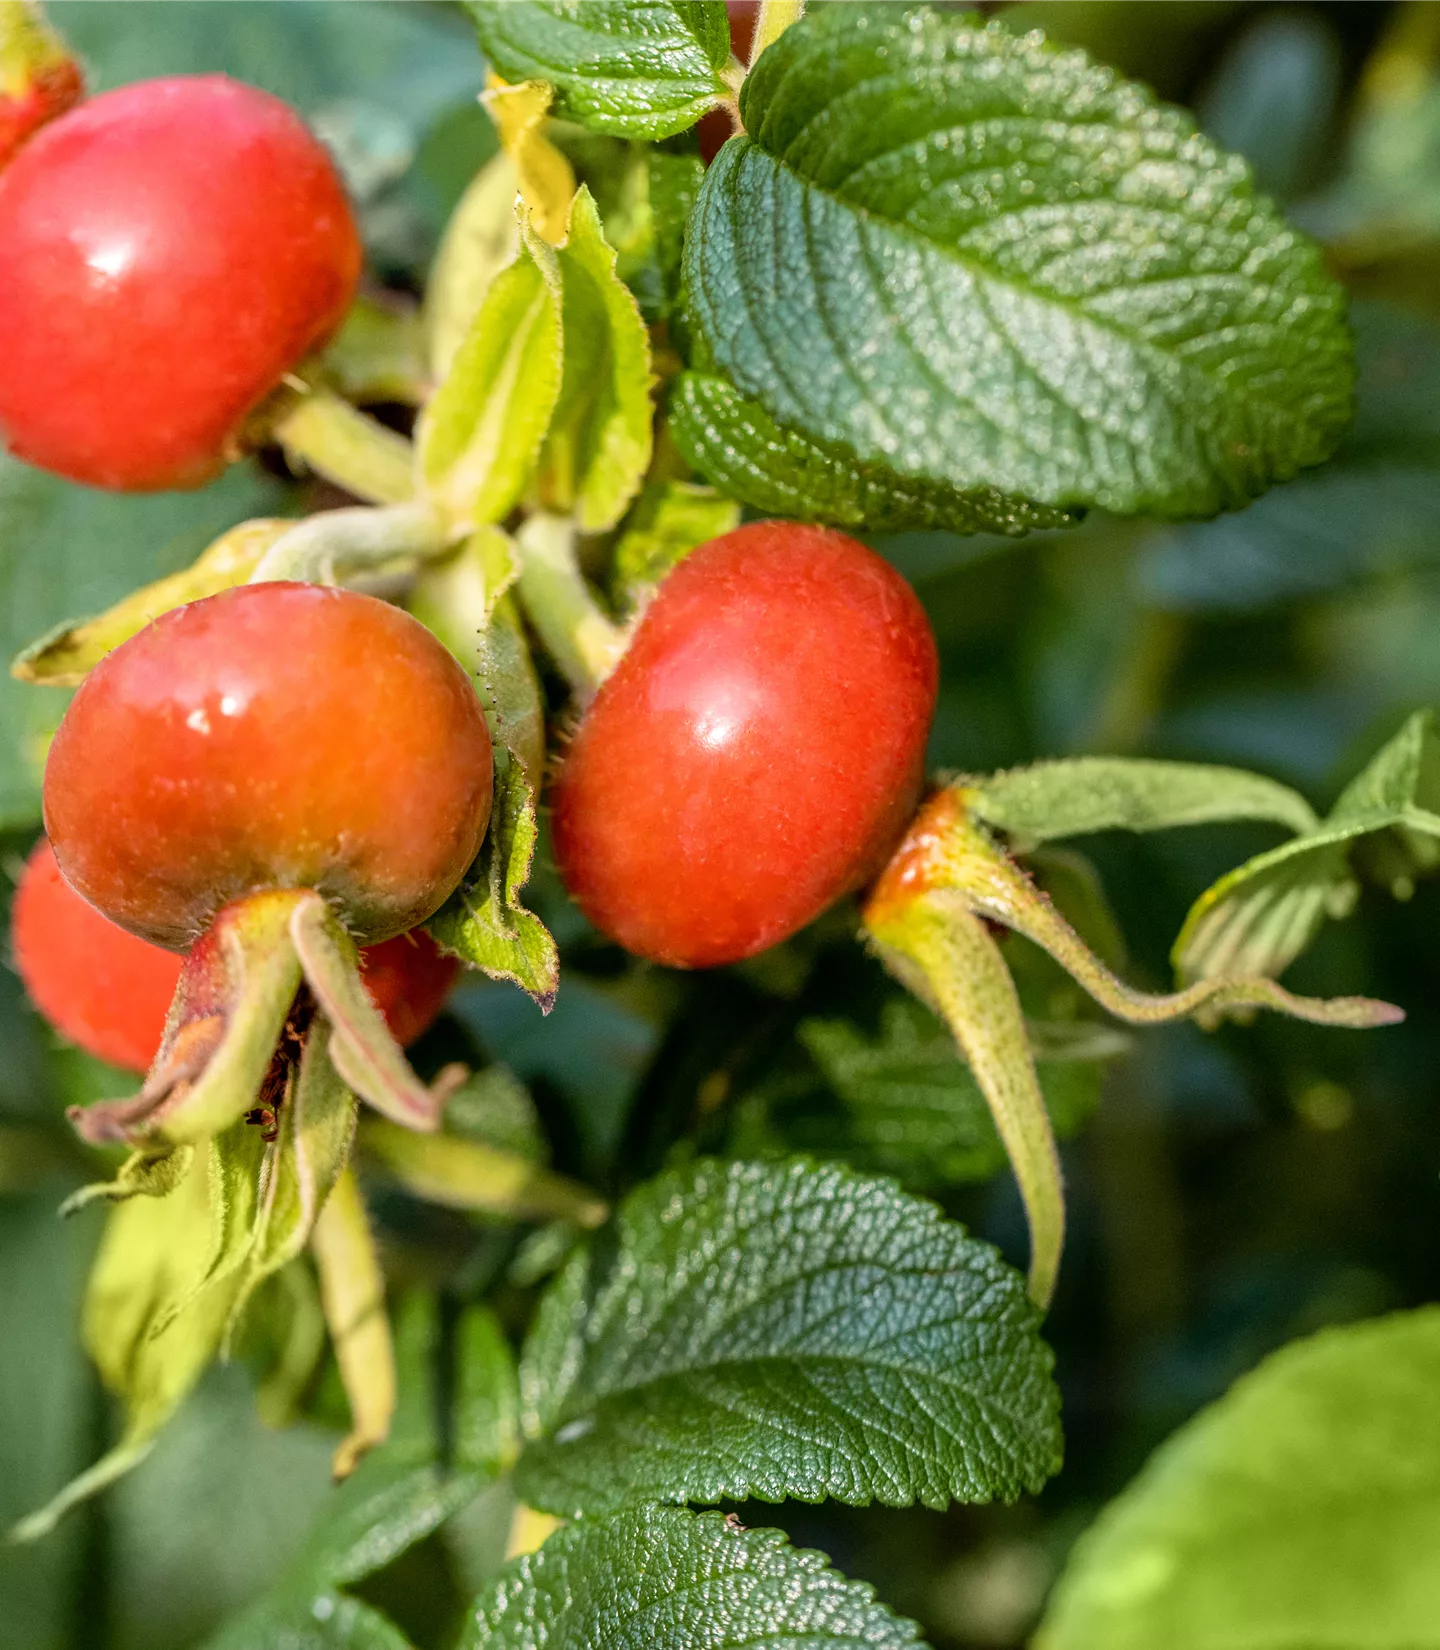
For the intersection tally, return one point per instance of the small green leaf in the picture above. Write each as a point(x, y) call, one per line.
point(598, 447)
point(671, 518)
point(483, 921)
point(986, 262)
point(1081, 794)
point(723, 1345)
point(635, 68)
point(1302, 1509)
point(480, 240)
point(904, 1103)
point(479, 437)
point(674, 1580)
point(783, 471)
point(1259, 917)
point(673, 183)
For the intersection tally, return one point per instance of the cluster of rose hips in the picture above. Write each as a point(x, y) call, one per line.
point(171, 251)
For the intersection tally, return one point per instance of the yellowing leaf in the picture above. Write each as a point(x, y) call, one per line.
point(546, 178)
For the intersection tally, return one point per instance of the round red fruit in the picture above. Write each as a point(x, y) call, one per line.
point(167, 252)
point(756, 753)
point(102, 988)
point(110, 993)
point(273, 736)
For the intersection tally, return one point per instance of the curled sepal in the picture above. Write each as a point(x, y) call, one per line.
point(467, 1174)
point(235, 994)
point(364, 1053)
point(926, 915)
point(948, 852)
point(316, 1131)
point(146, 1266)
point(352, 1292)
point(39, 77)
point(142, 1174)
point(63, 656)
point(948, 958)
point(325, 548)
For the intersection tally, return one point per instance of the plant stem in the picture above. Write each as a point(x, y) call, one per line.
point(582, 641)
point(775, 17)
point(348, 447)
point(352, 1292)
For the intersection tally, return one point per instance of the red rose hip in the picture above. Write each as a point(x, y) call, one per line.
point(109, 992)
point(756, 753)
point(286, 736)
point(167, 252)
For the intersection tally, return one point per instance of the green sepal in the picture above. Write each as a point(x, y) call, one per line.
point(1259, 917)
point(479, 1178)
point(64, 655)
point(634, 68)
point(142, 1174)
point(480, 240)
point(146, 1267)
point(784, 471)
point(329, 546)
point(974, 287)
point(483, 921)
point(601, 434)
point(234, 996)
point(480, 435)
point(366, 1056)
point(667, 523)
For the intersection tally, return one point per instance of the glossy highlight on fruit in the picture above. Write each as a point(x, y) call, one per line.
point(273, 736)
point(168, 251)
point(109, 992)
point(756, 753)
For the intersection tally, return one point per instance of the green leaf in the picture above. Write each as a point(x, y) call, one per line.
point(483, 921)
point(1302, 1509)
point(671, 518)
point(480, 240)
point(673, 183)
point(986, 262)
point(635, 68)
point(479, 437)
point(329, 1621)
point(67, 550)
point(903, 1103)
point(1081, 794)
point(724, 1344)
point(776, 468)
point(1259, 917)
point(672, 1580)
point(598, 448)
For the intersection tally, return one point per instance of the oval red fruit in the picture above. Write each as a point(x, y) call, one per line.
point(170, 250)
point(109, 992)
point(273, 736)
point(755, 754)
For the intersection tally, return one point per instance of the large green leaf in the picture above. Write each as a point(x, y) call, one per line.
point(329, 1621)
point(662, 1578)
point(1259, 917)
point(778, 469)
point(903, 1102)
point(1080, 794)
point(784, 1330)
point(68, 551)
point(986, 262)
point(1303, 1509)
point(637, 68)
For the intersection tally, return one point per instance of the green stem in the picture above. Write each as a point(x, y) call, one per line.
point(348, 447)
point(582, 641)
point(324, 547)
point(945, 954)
point(352, 1293)
point(775, 17)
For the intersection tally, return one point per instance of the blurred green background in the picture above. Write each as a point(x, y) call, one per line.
point(1230, 1192)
